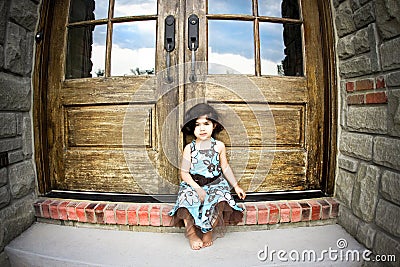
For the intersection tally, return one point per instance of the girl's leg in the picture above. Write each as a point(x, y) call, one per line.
point(195, 242)
point(218, 221)
point(207, 239)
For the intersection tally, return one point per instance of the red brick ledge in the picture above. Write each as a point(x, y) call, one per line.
point(146, 214)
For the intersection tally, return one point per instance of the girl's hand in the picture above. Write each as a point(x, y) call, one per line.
point(240, 192)
point(202, 194)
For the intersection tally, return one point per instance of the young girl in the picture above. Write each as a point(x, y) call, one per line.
point(204, 200)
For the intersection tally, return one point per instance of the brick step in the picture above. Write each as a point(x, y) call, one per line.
point(71, 212)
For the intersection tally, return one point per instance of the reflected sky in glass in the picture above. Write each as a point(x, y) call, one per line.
point(270, 8)
point(274, 8)
point(101, 9)
point(99, 50)
point(230, 7)
point(133, 48)
point(271, 47)
point(231, 43)
point(125, 8)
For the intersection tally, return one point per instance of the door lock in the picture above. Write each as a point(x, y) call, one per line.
point(169, 42)
point(193, 31)
point(193, 42)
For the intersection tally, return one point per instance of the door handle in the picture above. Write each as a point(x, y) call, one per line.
point(169, 42)
point(193, 42)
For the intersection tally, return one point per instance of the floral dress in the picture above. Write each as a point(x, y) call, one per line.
point(205, 163)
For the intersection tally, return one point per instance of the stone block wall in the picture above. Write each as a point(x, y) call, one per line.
point(17, 175)
point(368, 178)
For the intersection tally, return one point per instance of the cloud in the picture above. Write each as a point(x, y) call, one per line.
point(101, 9)
point(133, 35)
point(123, 59)
point(227, 63)
point(126, 8)
point(228, 37)
point(269, 67)
point(229, 7)
point(98, 58)
point(270, 8)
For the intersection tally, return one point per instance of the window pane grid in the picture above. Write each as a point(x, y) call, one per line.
point(90, 59)
point(262, 42)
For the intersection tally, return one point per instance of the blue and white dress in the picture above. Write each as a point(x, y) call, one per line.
point(218, 203)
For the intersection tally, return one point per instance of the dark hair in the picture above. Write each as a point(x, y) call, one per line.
point(197, 111)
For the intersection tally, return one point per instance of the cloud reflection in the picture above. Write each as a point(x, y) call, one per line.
point(135, 8)
point(230, 43)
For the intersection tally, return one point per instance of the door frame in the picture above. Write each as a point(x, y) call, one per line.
point(331, 98)
point(40, 90)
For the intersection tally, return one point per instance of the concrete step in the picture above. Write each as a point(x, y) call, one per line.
point(55, 245)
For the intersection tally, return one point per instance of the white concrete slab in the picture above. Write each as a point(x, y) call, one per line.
point(54, 245)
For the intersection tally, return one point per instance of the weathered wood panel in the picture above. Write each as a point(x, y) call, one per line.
point(262, 125)
point(109, 90)
point(240, 88)
point(109, 171)
point(103, 126)
point(314, 68)
point(263, 171)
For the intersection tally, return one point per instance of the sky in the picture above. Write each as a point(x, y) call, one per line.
point(230, 42)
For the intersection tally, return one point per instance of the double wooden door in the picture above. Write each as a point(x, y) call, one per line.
point(112, 125)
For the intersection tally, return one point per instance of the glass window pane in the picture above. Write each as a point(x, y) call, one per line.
point(281, 49)
point(279, 8)
point(86, 51)
point(230, 43)
point(123, 8)
point(230, 7)
point(81, 10)
point(133, 48)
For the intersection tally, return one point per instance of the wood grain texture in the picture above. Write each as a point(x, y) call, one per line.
point(102, 126)
point(331, 96)
point(271, 89)
point(83, 119)
point(109, 171)
point(316, 90)
point(109, 90)
point(269, 170)
point(54, 114)
point(262, 125)
point(39, 109)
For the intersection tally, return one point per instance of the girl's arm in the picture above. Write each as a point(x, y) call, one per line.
point(185, 175)
point(228, 173)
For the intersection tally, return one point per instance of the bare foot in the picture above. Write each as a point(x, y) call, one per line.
point(207, 239)
point(196, 243)
point(194, 240)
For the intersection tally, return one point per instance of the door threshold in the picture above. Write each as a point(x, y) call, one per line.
point(171, 198)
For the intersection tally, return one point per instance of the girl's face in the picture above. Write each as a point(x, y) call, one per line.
point(204, 128)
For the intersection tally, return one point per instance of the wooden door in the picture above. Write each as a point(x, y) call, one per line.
point(105, 116)
point(273, 115)
point(112, 127)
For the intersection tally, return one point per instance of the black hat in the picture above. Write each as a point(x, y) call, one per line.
point(197, 111)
